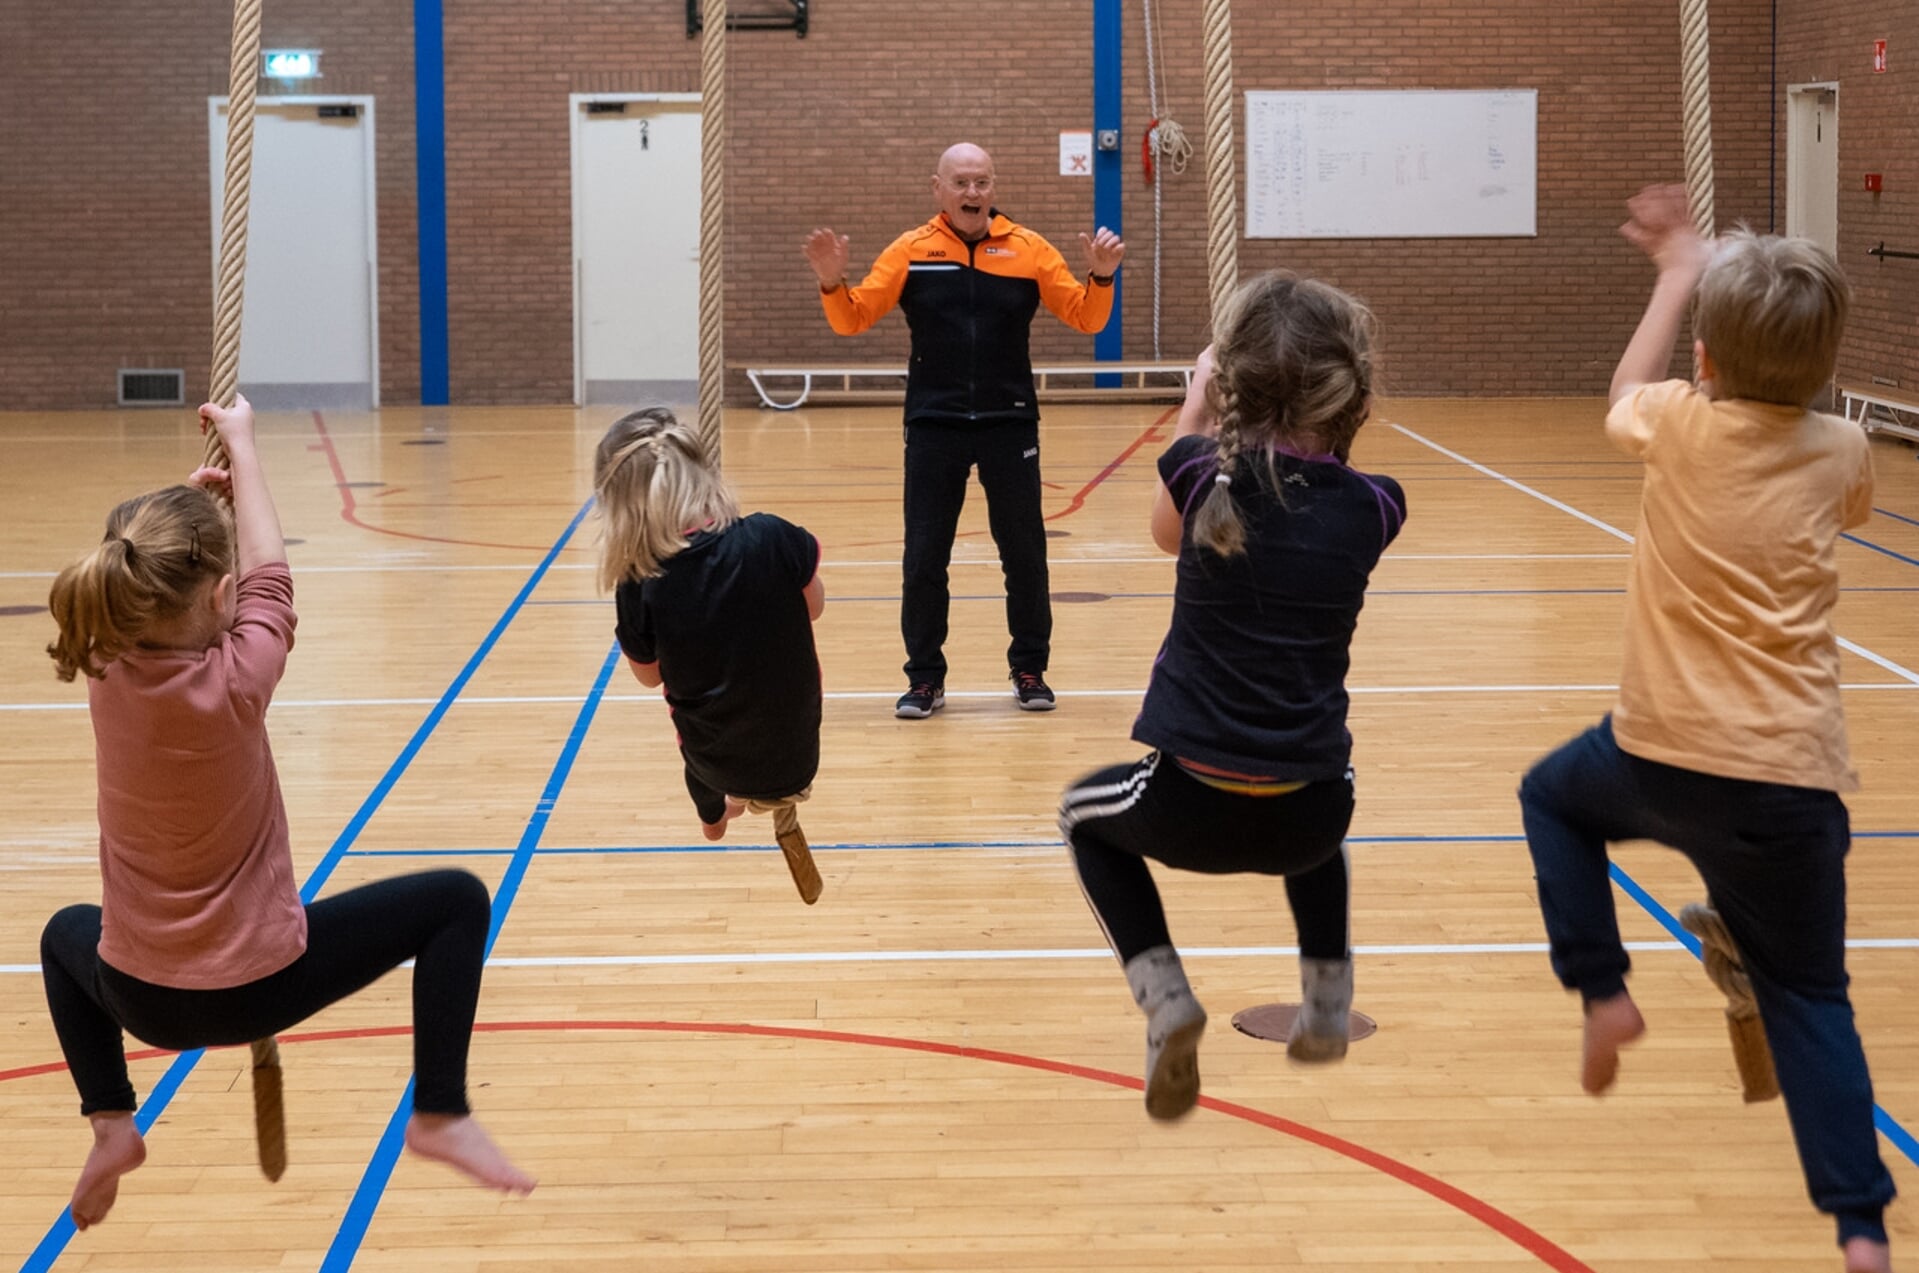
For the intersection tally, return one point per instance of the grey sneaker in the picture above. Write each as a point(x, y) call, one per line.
point(920, 701)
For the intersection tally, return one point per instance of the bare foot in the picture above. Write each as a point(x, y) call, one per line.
point(117, 1149)
point(1863, 1255)
point(462, 1144)
point(1610, 1025)
point(714, 830)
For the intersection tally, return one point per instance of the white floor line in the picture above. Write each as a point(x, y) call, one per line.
point(1047, 955)
point(1896, 669)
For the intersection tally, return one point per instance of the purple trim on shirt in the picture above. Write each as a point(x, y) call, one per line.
point(1311, 457)
point(1211, 457)
point(1385, 502)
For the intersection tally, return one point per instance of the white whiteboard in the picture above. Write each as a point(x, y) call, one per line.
point(1397, 165)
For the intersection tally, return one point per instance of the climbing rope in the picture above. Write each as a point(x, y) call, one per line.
point(1222, 219)
point(792, 841)
point(243, 79)
point(1696, 79)
point(712, 225)
point(1724, 967)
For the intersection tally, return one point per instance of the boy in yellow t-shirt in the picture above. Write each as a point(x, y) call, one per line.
point(1728, 741)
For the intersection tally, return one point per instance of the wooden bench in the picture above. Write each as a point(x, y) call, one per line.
point(1138, 379)
point(1879, 412)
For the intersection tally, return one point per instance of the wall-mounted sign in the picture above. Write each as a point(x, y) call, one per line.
point(290, 64)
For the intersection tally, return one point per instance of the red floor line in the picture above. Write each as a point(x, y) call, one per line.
point(349, 506)
point(1080, 496)
point(1551, 1255)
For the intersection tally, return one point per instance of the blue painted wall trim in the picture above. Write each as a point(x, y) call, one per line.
point(1109, 166)
point(429, 126)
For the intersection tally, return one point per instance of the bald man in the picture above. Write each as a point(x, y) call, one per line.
point(969, 282)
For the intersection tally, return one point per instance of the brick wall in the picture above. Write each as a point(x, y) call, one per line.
point(104, 256)
point(1831, 42)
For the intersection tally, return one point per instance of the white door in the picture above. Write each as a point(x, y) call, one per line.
point(636, 249)
point(1812, 163)
point(308, 331)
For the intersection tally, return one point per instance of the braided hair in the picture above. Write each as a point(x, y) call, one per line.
point(1292, 369)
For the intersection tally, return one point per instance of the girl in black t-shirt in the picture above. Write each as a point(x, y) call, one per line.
point(716, 608)
point(1276, 537)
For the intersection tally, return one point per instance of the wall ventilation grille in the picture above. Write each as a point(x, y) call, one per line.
point(151, 386)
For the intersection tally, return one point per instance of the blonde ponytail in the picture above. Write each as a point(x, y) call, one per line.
point(655, 487)
point(160, 550)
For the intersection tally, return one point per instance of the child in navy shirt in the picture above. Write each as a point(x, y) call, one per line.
point(1246, 710)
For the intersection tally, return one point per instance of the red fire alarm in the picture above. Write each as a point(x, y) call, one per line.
point(1872, 182)
point(1878, 57)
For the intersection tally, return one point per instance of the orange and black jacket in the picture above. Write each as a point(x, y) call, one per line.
point(970, 307)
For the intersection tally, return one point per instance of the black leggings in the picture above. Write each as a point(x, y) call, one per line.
point(1115, 818)
point(438, 919)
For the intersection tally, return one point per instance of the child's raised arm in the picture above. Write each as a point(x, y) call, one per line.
point(1662, 227)
point(1196, 413)
point(256, 522)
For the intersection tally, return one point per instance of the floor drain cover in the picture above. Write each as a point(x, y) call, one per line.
point(1274, 1021)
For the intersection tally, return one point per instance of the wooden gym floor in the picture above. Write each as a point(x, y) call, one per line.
point(932, 1068)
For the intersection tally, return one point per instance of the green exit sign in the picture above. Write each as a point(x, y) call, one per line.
point(291, 64)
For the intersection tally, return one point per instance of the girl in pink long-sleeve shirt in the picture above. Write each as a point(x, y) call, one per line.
point(181, 619)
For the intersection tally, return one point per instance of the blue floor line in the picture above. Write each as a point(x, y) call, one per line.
point(378, 795)
point(1886, 1123)
point(62, 1231)
point(379, 1169)
point(1884, 551)
point(1897, 517)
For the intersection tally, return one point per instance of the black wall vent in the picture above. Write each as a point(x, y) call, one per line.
point(152, 387)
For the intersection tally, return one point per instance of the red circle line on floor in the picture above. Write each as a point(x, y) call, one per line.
point(1549, 1254)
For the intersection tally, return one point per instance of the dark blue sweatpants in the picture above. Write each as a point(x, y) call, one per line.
point(1773, 860)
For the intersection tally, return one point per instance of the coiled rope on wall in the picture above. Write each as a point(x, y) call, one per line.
point(243, 80)
point(1170, 153)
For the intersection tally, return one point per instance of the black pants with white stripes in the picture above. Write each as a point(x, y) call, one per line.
point(1115, 818)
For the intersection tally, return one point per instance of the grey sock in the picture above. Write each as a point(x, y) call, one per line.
point(1326, 998)
point(1174, 1022)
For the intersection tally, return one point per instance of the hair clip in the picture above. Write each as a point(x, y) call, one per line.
point(193, 544)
